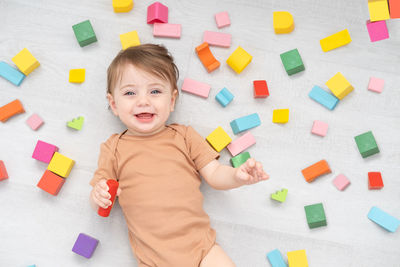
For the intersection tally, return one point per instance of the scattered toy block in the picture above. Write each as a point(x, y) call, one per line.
point(76, 123)
point(112, 190)
point(275, 258)
point(239, 60)
point(224, 97)
point(283, 22)
point(241, 144)
point(280, 195)
point(129, 39)
point(378, 10)
point(84, 33)
point(323, 97)
point(196, 87)
point(314, 171)
point(8, 110)
point(61, 165)
point(244, 123)
point(44, 151)
point(335, 40)
point(25, 61)
point(157, 12)
point(11, 74)
point(339, 86)
point(394, 9)
point(217, 38)
point(341, 182)
point(260, 89)
point(218, 139)
point(85, 245)
point(280, 116)
point(76, 75)
point(206, 57)
point(34, 122)
point(375, 180)
point(238, 160)
point(377, 30)
point(292, 62)
point(383, 219)
point(32, 265)
point(167, 30)
point(366, 144)
point(297, 258)
point(122, 6)
point(51, 182)
point(222, 19)
point(3, 171)
point(315, 215)
point(319, 128)
point(376, 84)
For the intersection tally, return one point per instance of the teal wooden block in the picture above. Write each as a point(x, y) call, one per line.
point(275, 258)
point(292, 61)
point(383, 219)
point(224, 97)
point(84, 33)
point(32, 265)
point(366, 144)
point(323, 97)
point(11, 74)
point(240, 159)
point(315, 215)
point(244, 123)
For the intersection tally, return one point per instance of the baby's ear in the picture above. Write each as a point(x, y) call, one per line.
point(111, 103)
point(173, 99)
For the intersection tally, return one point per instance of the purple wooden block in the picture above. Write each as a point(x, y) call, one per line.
point(85, 245)
point(44, 151)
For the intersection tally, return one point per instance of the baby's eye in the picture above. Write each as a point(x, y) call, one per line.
point(129, 93)
point(155, 91)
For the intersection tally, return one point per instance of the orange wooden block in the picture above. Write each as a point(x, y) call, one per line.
point(51, 182)
point(3, 171)
point(11, 109)
point(394, 9)
point(206, 57)
point(312, 172)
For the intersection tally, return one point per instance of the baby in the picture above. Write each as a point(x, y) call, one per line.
point(158, 166)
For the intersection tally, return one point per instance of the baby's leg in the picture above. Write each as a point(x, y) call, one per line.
point(216, 257)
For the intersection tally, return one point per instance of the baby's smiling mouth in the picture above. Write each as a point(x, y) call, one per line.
point(144, 115)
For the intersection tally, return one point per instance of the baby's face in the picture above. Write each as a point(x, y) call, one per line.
point(142, 101)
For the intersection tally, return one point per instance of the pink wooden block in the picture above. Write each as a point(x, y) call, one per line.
point(157, 12)
point(217, 38)
point(167, 30)
point(320, 128)
point(242, 143)
point(222, 19)
point(377, 30)
point(196, 88)
point(376, 84)
point(341, 182)
point(44, 151)
point(34, 122)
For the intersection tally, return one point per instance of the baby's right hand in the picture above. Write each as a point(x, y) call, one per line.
point(100, 195)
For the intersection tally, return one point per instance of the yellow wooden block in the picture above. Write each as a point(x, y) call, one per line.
point(335, 40)
point(77, 75)
point(297, 258)
point(280, 116)
point(122, 5)
point(339, 86)
point(60, 165)
point(25, 61)
point(129, 39)
point(378, 10)
point(283, 22)
point(218, 139)
point(239, 59)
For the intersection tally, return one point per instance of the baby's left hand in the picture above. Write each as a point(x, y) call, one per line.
point(251, 172)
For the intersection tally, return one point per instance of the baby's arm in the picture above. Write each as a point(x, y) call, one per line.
point(224, 177)
point(99, 197)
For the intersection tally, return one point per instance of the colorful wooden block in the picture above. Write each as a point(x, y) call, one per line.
point(241, 144)
point(122, 6)
point(376, 84)
point(112, 190)
point(377, 30)
point(218, 139)
point(394, 9)
point(196, 87)
point(3, 171)
point(34, 122)
point(244, 123)
point(157, 12)
point(11, 109)
point(222, 19)
point(167, 30)
point(335, 40)
point(283, 22)
point(280, 116)
point(366, 144)
point(339, 86)
point(85, 245)
point(383, 219)
point(76, 75)
point(314, 171)
point(323, 97)
point(129, 39)
point(51, 182)
point(44, 151)
point(341, 182)
point(280, 195)
point(61, 165)
point(224, 97)
point(275, 259)
point(84, 33)
point(11, 74)
point(297, 258)
point(238, 160)
point(319, 128)
point(76, 123)
point(378, 10)
point(32, 265)
point(315, 215)
point(260, 89)
point(25, 61)
point(239, 60)
point(206, 57)
point(217, 38)
point(375, 180)
point(292, 61)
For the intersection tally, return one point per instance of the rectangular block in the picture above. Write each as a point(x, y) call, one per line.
point(383, 219)
point(366, 144)
point(217, 38)
point(25, 61)
point(297, 258)
point(377, 30)
point(319, 128)
point(3, 171)
point(129, 39)
point(292, 61)
point(51, 182)
point(44, 151)
point(85, 245)
point(222, 19)
point(260, 89)
point(244, 123)
point(84, 33)
point(378, 10)
point(375, 180)
point(241, 144)
point(218, 139)
point(314, 171)
point(275, 259)
point(341, 182)
point(34, 122)
point(196, 87)
point(394, 9)
point(11, 74)
point(11, 109)
point(323, 97)
point(238, 160)
point(224, 97)
point(167, 30)
point(239, 60)
point(339, 85)
point(335, 40)
point(60, 165)
point(376, 84)
point(315, 215)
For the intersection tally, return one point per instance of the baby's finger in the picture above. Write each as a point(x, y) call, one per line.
point(119, 191)
point(103, 184)
point(101, 201)
point(103, 193)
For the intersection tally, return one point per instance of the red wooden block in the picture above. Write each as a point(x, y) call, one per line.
point(51, 182)
point(3, 171)
point(112, 189)
point(375, 180)
point(260, 89)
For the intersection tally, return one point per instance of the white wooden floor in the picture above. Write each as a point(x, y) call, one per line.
point(37, 228)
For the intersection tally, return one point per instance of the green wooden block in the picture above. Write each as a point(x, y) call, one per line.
point(366, 144)
point(76, 123)
point(280, 195)
point(315, 215)
point(84, 33)
point(240, 159)
point(292, 61)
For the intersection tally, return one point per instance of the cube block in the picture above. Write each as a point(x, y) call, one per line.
point(84, 33)
point(292, 61)
point(76, 123)
point(129, 39)
point(319, 128)
point(280, 195)
point(34, 122)
point(224, 97)
point(157, 12)
point(314, 171)
point(25, 61)
point(283, 22)
point(297, 258)
point(217, 38)
point(376, 84)
point(241, 144)
point(44, 151)
point(260, 89)
point(375, 180)
point(76, 75)
point(196, 87)
point(121, 6)
point(11, 109)
point(366, 144)
point(383, 219)
point(222, 19)
point(280, 116)
point(339, 86)
point(61, 165)
point(378, 10)
point(394, 9)
point(244, 123)
point(85, 245)
point(167, 30)
point(275, 258)
point(238, 160)
point(323, 97)
point(239, 60)
point(315, 215)
point(341, 182)
point(206, 57)
point(335, 40)
point(218, 139)
point(11, 74)
point(377, 30)
point(51, 182)
point(3, 171)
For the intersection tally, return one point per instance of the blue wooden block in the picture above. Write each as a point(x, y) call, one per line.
point(244, 123)
point(275, 258)
point(224, 97)
point(32, 265)
point(323, 97)
point(383, 219)
point(11, 74)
